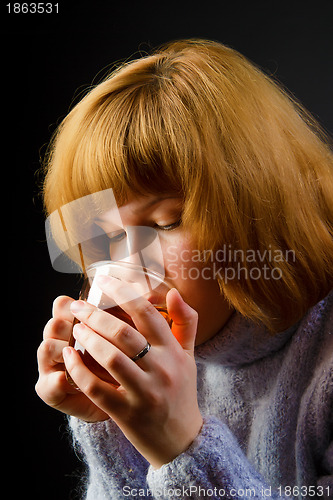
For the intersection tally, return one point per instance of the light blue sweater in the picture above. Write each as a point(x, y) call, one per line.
point(267, 404)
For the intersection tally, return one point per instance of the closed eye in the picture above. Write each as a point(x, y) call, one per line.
point(116, 236)
point(119, 235)
point(168, 227)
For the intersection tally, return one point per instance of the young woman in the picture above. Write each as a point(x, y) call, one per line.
point(235, 400)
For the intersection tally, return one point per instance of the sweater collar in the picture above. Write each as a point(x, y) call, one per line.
point(241, 342)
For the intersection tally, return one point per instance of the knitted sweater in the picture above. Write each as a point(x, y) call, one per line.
point(267, 403)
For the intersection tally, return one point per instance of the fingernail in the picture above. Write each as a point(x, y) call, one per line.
point(77, 306)
point(66, 352)
point(77, 329)
point(177, 292)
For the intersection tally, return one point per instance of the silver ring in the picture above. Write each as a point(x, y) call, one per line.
point(142, 353)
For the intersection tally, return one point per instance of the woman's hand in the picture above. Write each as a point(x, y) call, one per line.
point(155, 404)
point(52, 386)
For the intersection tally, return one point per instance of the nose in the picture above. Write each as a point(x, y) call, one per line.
point(140, 246)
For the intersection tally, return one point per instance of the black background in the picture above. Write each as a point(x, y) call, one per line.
point(48, 61)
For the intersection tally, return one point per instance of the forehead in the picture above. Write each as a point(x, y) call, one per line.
point(141, 206)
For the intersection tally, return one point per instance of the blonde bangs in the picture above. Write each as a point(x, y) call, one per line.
point(108, 151)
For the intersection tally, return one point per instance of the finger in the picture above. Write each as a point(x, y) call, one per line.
point(61, 308)
point(114, 330)
point(145, 316)
point(99, 392)
point(185, 320)
point(57, 328)
point(54, 388)
point(50, 388)
point(49, 355)
point(118, 364)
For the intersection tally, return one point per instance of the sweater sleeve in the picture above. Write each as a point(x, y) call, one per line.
point(213, 466)
point(112, 461)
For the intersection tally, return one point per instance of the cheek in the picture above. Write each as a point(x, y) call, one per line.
point(198, 287)
point(205, 297)
point(177, 259)
point(183, 263)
